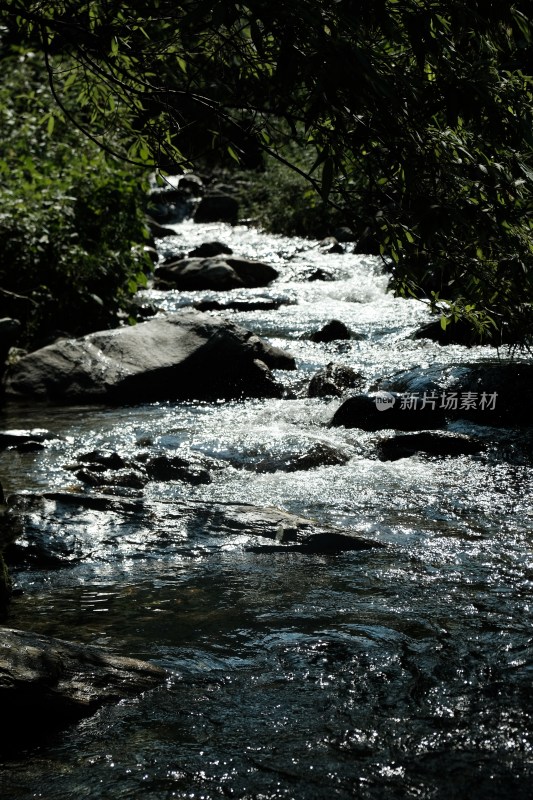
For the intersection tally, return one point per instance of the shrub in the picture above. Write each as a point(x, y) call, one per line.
point(71, 220)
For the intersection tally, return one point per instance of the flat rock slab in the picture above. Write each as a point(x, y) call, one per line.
point(186, 355)
point(63, 529)
point(46, 683)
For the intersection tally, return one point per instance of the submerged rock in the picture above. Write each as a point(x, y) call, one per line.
point(319, 454)
point(47, 683)
point(161, 467)
point(218, 273)
point(241, 305)
point(62, 529)
point(105, 468)
point(187, 355)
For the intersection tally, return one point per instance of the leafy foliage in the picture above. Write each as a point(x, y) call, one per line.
point(71, 225)
point(414, 115)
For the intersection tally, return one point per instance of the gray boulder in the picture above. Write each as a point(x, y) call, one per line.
point(46, 683)
point(187, 355)
point(218, 273)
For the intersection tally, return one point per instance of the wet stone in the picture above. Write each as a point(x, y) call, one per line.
point(60, 529)
point(333, 380)
point(47, 683)
point(331, 332)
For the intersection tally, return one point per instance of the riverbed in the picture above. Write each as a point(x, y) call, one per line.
point(404, 671)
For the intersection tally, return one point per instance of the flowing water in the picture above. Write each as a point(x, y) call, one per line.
point(401, 672)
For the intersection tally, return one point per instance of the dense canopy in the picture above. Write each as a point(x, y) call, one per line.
point(413, 117)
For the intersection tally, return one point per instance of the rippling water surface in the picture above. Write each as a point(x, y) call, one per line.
point(401, 672)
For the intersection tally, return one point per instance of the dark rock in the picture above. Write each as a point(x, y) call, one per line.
point(435, 444)
point(47, 683)
point(217, 273)
point(161, 467)
point(319, 454)
point(128, 478)
point(158, 230)
point(210, 249)
point(331, 332)
point(490, 392)
point(240, 305)
point(320, 274)
point(459, 332)
point(105, 458)
point(187, 355)
point(333, 380)
point(170, 204)
point(217, 208)
point(368, 413)
point(192, 184)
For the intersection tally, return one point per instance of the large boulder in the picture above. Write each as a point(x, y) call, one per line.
point(46, 683)
point(495, 392)
point(187, 355)
point(217, 273)
point(488, 393)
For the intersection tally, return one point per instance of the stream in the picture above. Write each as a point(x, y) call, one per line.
point(399, 672)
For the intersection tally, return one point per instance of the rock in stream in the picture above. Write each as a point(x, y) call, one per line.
point(46, 683)
point(186, 355)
